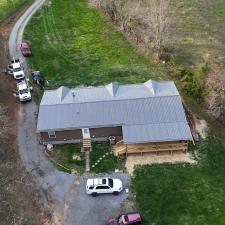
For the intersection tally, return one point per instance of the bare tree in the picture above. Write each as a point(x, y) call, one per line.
point(146, 21)
point(158, 20)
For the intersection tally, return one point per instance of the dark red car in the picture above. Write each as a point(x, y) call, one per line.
point(133, 218)
point(25, 49)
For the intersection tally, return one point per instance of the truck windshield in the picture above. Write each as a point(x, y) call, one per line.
point(111, 182)
point(17, 69)
point(24, 91)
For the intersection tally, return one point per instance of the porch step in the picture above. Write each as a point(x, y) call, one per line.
point(86, 143)
point(119, 151)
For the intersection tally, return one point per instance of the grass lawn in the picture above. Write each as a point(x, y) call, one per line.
point(179, 194)
point(9, 7)
point(108, 164)
point(74, 44)
point(64, 155)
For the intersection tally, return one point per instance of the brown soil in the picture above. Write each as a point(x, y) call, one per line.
point(19, 199)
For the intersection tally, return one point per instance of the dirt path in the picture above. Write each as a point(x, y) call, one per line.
point(40, 186)
point(52, 183)
point(18, 195)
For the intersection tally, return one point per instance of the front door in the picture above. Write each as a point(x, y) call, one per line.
point(86, 133)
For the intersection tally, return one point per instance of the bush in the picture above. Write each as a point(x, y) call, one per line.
point(192, 81)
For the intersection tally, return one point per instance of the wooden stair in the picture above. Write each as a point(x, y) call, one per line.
point(119, 151)
point(119, 148)
point(87, 144)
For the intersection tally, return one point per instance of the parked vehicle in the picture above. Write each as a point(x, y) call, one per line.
point(16, 69)
point(104, 185)
point(38, 78)
point(25, 49)
point(133, 218)
point(24, 93)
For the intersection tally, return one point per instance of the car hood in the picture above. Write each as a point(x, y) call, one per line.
point(23, 96)
point(117, 184)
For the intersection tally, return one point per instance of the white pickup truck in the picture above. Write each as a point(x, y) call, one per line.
point(16, 69)
point(24, 93)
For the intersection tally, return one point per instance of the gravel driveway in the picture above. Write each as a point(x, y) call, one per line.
point(84, 209)
point(63, 194)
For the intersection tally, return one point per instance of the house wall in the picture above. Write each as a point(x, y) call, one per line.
point(71, 136)
point(61, 136)
point(106, 132)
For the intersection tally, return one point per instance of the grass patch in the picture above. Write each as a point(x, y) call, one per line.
point(107, 164)
point(70, 48)
point(183, 193)
point(64, 155)
point(9, 7)
point(197, 33)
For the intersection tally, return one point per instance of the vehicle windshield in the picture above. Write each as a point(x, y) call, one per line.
point(120, 221)
point(111, 182)
point(23, 91)
point(17, 69)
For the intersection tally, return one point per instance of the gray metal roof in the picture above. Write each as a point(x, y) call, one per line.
point(149, 105)
point(156, 132)
point(110, 92)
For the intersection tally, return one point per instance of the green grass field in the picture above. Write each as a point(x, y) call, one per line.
point(8, 7)
point(107, 164)
point(179, 194)
point(74, 44)
point(70, 157)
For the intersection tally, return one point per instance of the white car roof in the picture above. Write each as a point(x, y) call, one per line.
point(16, 65)
point(22, 85)
point(97, 181)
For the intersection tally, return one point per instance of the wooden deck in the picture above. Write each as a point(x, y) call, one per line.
point(121, 148)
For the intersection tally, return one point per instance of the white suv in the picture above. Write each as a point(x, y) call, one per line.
point(23, 91)
point(16, 69)
point(103, 186)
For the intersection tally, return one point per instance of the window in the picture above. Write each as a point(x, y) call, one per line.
point(51, 134)
point(102, 187)
point(104, 181)
point(111, 182)
point(23, 91)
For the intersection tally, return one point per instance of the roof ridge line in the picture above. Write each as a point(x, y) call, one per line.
point(165, 96)
point(103, 85)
